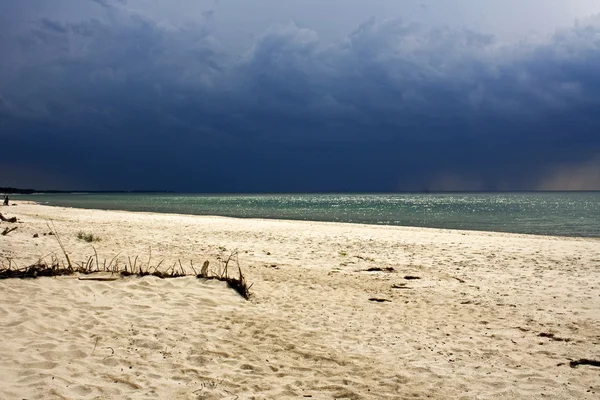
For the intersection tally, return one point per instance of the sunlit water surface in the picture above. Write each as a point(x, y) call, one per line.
point(547, 213)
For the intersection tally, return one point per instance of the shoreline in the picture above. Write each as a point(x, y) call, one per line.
point(492, 315)
point(597, 238)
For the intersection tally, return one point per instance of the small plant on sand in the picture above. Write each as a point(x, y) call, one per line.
point(87, 237)
point(240, 285)
point(93, 265)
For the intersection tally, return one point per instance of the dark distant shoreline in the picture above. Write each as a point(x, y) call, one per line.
point(10, 190)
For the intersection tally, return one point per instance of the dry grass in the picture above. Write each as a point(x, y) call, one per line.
point(93, 265)
point(239, 284)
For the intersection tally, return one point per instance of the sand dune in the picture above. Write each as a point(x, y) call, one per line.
point(493, 316)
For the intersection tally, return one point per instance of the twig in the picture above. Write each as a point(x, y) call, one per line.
point(112, 352)
point(8, 230)
point(113, 259)
point(95, 344)
point(55, 233)
point(96, 253)
point(149, 257)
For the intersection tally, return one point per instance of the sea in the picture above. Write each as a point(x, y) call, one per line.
point(541, 213)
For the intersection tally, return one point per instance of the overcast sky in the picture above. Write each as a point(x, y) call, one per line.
point(289, 96)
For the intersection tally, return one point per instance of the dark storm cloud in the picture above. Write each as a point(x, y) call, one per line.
point(126, 102)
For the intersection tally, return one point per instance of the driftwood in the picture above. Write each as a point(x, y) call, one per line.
point(204, 270)
point(98, 278)
point(379, 269)
point(12, 220)
point(378, 300)
point(8, 230)
point(584, 361)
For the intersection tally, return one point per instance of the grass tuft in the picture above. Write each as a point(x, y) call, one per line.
point(87, 237)
point(239, 284)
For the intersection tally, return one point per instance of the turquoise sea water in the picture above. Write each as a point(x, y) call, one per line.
point(544, 213)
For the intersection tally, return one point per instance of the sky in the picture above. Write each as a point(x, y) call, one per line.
point(287, 96)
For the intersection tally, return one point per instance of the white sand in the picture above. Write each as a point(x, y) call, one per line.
point(310, 330)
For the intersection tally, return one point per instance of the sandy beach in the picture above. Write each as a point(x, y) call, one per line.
point(487, 315)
